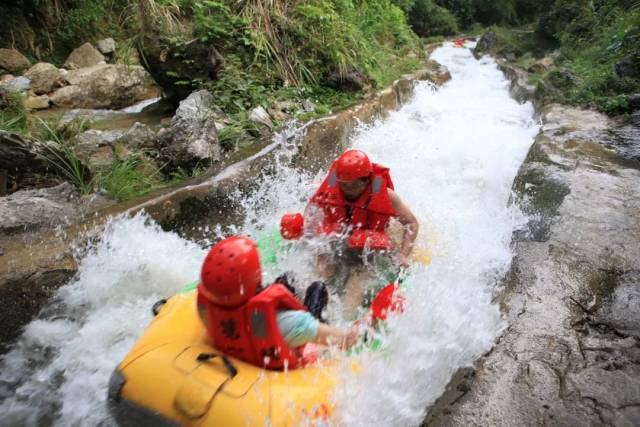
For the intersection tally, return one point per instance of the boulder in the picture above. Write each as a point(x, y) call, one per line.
point(192, 138)
point(260, 117)
point(106, 46)
point(110, 86)
point(32, 209)
point(25, 158)
point(82, 57)
point(96, 147)
point(308, 106)
point(45, 78)
point(6, 77)
point(628, 67)
point(36, 102)
point(352, 80)
point(15, 85)
point(138, 136)
point(13, 61)
point(487, 43)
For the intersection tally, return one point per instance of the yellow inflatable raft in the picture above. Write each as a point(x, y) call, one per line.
point(173, 377)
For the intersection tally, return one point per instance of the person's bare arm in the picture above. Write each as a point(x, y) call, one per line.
point(410, 223)
point(329, 335)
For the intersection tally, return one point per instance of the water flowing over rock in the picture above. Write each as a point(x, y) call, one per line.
point(13, 61)
point(45, 78)
point(83, 57)
point(570, 356)
point(105, 86)
point(192, 138)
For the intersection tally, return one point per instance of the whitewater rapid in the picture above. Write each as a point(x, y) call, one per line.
point(453, 153)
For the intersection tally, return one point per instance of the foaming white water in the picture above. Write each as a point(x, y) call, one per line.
point(59, 370)
point(453, 154)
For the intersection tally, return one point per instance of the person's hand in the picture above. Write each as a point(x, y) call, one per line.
point(403, 260)
point(351, 337)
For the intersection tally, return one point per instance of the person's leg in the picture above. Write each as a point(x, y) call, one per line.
point(354, 291)
point(325, 267)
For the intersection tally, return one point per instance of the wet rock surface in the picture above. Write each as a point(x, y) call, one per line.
point(31, 209)
point(571, 355)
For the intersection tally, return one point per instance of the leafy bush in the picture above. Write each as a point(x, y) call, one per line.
point(13, 118)
point(429, 19)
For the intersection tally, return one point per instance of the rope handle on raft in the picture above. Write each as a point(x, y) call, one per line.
point(205, 357)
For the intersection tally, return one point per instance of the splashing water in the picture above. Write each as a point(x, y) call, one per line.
point(453, 154)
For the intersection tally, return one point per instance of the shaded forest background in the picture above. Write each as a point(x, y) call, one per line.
point(276, 44)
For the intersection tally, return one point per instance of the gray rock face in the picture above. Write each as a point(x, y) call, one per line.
point(15, 85)
point(486, 43)
point(192, 138)
point(32, 209)
point(352, 80)
point(82, 57)
point(45, 78)
point(13, 61)
point(572, 353)
point(105, 86)
point(628, 67)
point(106, 46)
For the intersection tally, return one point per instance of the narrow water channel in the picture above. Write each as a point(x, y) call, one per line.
point(453, 153)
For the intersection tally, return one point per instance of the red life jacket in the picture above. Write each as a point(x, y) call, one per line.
point(250, 332)
point(369, 213)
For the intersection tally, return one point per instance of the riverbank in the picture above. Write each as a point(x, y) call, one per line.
point(570, 355)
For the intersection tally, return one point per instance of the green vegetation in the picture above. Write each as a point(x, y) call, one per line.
point(130, 177)
point(599, 35)
point(13, 118)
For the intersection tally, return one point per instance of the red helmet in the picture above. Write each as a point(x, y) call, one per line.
point(231, 272)
point(292, 226)
point(353, 164)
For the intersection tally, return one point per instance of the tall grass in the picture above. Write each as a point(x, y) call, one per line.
point(64, 158)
